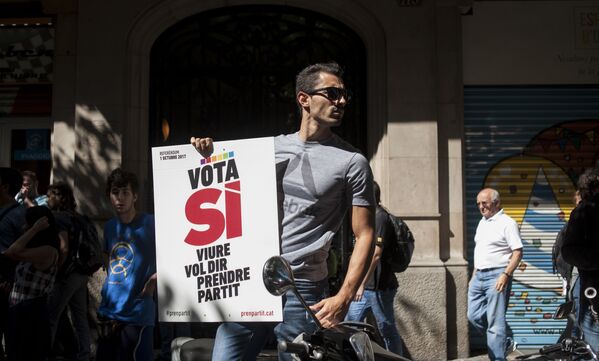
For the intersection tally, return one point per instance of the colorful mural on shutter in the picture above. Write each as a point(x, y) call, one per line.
point(530, 143)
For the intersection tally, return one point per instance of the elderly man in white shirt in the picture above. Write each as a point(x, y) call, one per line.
point(497, 253)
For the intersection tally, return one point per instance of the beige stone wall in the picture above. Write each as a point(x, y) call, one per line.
point(423, 178)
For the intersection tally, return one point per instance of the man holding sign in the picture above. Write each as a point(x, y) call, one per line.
point(320, 177)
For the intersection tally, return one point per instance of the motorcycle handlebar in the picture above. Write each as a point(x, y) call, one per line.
point(293, 347)
point(550, 349)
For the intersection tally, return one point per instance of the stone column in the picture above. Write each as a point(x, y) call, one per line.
point(453, 245)
point(100, 102)
point(63, 97)
point(424, 180)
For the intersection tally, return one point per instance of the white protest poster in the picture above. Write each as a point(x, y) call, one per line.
point(216, 225)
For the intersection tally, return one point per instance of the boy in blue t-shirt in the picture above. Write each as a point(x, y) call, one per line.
point(127, 309)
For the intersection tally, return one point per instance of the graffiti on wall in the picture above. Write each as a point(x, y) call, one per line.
point(537, 188)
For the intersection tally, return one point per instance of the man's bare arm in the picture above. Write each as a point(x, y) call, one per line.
point(504, 277)
point(149, 287)
point(332, 310)
point(376, 258)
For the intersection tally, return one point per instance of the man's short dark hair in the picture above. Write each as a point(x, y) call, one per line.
point(588, 183)
point(30, 174)
point(65, 192)
point(13, 178)
point(120, 178)
point(306, 79)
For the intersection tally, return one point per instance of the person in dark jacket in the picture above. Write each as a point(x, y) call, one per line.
point(37, 253)
point(581, 249)
point(70, 289)
point(379, 287)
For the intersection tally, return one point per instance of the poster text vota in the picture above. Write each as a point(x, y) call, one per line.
point(214, 173)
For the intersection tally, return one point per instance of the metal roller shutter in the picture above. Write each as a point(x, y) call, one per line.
point(530, 143)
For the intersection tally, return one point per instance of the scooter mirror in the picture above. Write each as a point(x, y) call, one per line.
point(277, 276)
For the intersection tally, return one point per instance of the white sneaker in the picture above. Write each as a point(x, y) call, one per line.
point(510, 346)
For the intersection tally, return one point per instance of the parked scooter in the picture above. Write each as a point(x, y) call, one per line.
point(568, 347)
point(346, 341)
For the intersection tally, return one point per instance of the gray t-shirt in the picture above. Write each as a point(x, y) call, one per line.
point(12, 226)
point(320, 182)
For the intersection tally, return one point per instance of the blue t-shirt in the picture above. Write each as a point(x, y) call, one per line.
point(132, 260)
point(41, 200)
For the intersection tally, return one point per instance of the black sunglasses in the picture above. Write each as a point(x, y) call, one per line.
point(332, 93)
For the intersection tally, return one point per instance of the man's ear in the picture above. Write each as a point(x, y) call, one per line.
point(303, 99)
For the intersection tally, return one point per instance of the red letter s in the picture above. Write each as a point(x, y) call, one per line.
point(233, 209)
point(211, 217)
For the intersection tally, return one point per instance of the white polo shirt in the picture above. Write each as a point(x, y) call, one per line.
point(495, 240)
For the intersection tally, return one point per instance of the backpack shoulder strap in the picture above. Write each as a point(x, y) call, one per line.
point(390, 215)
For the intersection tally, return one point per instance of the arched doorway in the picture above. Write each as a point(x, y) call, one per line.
point(229, 73)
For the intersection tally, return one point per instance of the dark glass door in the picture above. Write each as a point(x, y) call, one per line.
point(230, 73)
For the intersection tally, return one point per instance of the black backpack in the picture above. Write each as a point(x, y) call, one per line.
point(87, 255)
point(399, 254)
point(560, 266)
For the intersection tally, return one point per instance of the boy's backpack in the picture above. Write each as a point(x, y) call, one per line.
point(560, 266)
point(87, 255)
point(399, 254)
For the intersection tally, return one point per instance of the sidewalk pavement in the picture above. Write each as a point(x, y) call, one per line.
point(511, 357)
point(268, 356)
point(202, 351)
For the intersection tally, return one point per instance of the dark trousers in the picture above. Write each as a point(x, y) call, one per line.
point(3, 320)
point(28, 331)
point(129, 343)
